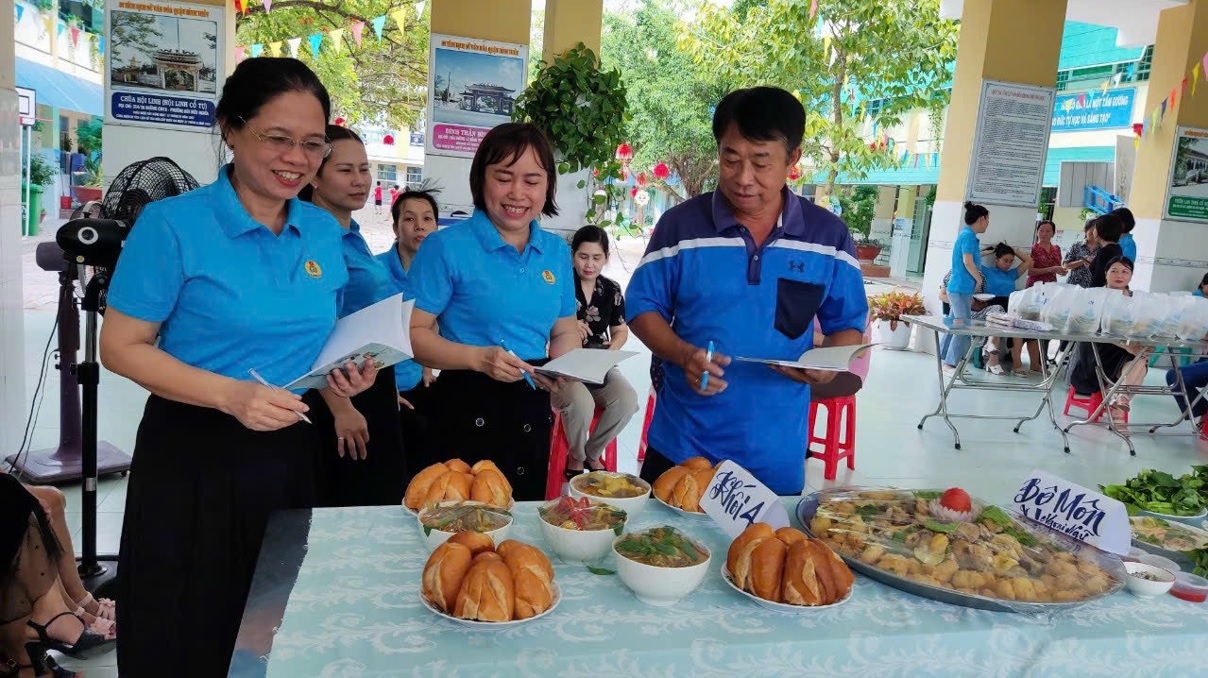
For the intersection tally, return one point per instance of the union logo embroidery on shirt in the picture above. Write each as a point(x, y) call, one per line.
point(312, 268)
point(548, 276)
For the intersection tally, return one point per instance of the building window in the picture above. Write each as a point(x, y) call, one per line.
point(387, 173)
point(415, 176)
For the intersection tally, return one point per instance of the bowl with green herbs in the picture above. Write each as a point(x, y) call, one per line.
point(439, 522)
point(660, 565)
point(1160, 494)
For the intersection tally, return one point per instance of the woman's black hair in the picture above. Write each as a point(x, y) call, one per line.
point(1002, 249)
point(396, 210)
point(255, 82)
point(590, 234)
point(1119, 260)
point(334, 133)
point(1042, 222)
point(1109, 227)
point(1204, 280)
point(974, 212)
point(1090, 223)
point(1126, 218)
point(505, 144)
point(761, 114)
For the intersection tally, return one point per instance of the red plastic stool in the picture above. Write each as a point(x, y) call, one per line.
point(559, 446)
point(837, 444)
point(1089, 405)
point(646, 425)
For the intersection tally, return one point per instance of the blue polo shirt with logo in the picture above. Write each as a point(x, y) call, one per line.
point(962, 282)
point(368, 281)
point(703, 273)
point(1000, 283)
point(407, 373)
point(228, 293)
point(485, 293)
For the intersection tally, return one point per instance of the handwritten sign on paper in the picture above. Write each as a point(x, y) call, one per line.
point(1071, 509)
point(736, 500)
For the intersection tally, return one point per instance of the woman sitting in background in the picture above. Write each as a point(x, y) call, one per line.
point(1001, 281)
point(601, 315)
point(1127, 364)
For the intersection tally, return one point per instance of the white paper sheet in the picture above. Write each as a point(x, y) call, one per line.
point(827, 359)
point(381, 332)
point(588, 365)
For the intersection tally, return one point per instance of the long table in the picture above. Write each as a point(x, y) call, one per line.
point(336, 592)
point(957, 379)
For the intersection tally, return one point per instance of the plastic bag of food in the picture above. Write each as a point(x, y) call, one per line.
point(1119, 315)
point(1193, 323)
point(1166, 326)
point(1059, 306)
point(1031, 303)
point(1148, 310)
point(1087, 314)
point(953, 547)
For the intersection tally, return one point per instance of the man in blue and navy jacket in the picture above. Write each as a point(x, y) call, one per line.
point(745, 269)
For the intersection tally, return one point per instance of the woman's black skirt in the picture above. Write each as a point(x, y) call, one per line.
point(380, 478)
point(475, 417)
point(201, 489)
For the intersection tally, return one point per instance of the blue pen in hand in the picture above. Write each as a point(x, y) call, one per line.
point(512, 353)
point(704, 378)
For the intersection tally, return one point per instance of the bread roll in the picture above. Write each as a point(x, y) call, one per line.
point(686, 494)
point(443, 574)
point(767, 569)
point(487, 464)
point(841, 578)
point(697, 463)
point(489, 487)
point(436, 491)
point(417, 489)
point(459, 486)
point(458, 465)
point(738, 557)
point(800, 586)
point(477, 542)
point(486, 593)
point(532, 578)
point(790, 535)
point(665, 485)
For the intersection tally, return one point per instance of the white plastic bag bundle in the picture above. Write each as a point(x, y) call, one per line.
point(1170, 315)
point(1059, 307)
point(1095, 300)
point(1193, 324)
point(1148, 310)
point(1119, 315)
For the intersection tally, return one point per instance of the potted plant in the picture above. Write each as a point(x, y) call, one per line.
point(41, 174)
point(887, 310)
point(859, 209)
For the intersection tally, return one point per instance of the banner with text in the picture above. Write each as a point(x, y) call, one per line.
point(1073, 510)
point(472, 87)
point(1093, 110)
point(163, 65)
point(1187, 196)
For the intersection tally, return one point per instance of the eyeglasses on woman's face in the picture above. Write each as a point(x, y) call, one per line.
point(315, 146)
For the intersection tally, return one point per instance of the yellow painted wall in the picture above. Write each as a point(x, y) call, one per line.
point(885, 200)
point(498, 20)
point(569, 22)
point(1008, 40)
point(1181, 42)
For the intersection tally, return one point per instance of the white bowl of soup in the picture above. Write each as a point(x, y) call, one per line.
point(627, 492)
point(660, 565)
point(580, 530)
point(438, 523)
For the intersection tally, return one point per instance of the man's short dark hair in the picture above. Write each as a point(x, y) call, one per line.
point(761, 114)
point(1127, 220)
point(505, 144)
point(1109, 227)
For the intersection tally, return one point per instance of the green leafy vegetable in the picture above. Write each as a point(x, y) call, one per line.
point(1200, 558)
point(928, 495)
point(1021, 536)
point(1160, 492)
point(601, 571)
point(936, 526)
point(867, 511)
point(997, 516)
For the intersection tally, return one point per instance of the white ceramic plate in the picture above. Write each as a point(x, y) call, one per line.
point(681, 511)
point(490, 625)
point(783, 607)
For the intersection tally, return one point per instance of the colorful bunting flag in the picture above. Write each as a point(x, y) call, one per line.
point(813, 9)
point(1081, 99)
point(20, 12)
point(337, 38)
point(826, 44)
point(358, 30)
point(1105, 85)
point(268, 6)
point(294, 43)
point(378, 24)
point(49, 22)
point(274, 48)
point(315, 41)
point(257, 50)
point(400, 18)
point(1195, 78)
point(100, 45)
point(419, 9)
point(61, 28)
point(239, 7)
point(75, 37)
point(916, 160)
point(239, 49)
point(1173, 98)
point(1183, 87)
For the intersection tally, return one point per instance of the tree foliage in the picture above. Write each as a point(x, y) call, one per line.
point(381, 82)
point(132, 30)
point(851, 51)
point(671, 96)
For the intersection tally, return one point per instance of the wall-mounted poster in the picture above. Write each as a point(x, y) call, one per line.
point(163, 63)
point(1010, 145)
point(1187, 198)
point(472, 87)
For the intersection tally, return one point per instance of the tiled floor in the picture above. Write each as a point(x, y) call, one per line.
point(901, 387)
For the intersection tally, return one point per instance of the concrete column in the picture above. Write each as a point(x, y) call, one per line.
point(198, 151)
point(1171, 254)
point(569, 22)
point(12, 323)
point(991, 47)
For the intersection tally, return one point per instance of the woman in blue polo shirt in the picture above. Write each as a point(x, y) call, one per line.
point(236, 276)
point(500, 289)
point(364, 460)
point(966, 277)
point(1001, 281)
point(415, 217)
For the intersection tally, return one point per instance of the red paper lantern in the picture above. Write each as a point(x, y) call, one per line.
point(662, 171)
point(596, 173)
point(624, 152)
point(388, 140)
point(633, 192)
point(1138, 128)
point(642, 180)
point(338, 121)
point(794, 173)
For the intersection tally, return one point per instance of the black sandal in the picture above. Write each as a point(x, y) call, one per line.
point(572, 473)
point(43, 664)
point(86, 646)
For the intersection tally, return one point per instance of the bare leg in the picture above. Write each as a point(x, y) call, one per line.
point(1034, 356)
point(55, 505)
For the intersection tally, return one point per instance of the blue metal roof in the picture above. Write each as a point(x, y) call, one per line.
point(1090, 45)
point(59, 89)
